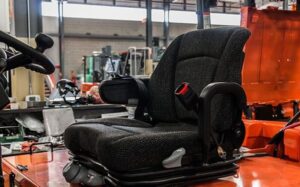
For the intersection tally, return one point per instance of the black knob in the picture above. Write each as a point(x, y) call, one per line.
point(43, 42)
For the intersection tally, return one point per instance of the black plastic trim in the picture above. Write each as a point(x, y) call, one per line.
point(189, 174)
point(206, 96)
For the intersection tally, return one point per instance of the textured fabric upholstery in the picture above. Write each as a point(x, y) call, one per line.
point(161, 105)
point(197, 44)
point(199, 57)
point(125, 148)
point(185, 72)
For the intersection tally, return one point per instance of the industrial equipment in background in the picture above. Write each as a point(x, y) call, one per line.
point(142, 61)
point(157, 53)
point(138, 62)
point(99, 66)
point(104, 65)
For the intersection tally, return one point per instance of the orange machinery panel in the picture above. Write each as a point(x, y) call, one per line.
point(271, 72)
point(259, 133)
point(291, 143)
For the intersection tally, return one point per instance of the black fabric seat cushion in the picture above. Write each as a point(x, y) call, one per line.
point(135, 145)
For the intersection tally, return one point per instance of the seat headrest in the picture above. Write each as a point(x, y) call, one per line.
point(195, 43)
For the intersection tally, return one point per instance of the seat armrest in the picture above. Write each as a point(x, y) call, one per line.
point(126, 91)
point(206, 96)
point(118, 91)
point(121, 90)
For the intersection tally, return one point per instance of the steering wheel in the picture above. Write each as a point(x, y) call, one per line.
point(29, 57)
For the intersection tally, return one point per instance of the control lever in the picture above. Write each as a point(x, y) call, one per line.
point(43, 42)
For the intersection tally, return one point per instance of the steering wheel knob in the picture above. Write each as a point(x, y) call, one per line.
point(43, 42)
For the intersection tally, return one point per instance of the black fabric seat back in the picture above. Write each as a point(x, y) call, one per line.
point(199, 57)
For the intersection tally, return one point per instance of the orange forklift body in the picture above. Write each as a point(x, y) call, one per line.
point(271, 72)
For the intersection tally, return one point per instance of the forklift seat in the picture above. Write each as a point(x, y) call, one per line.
point(177, 145)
